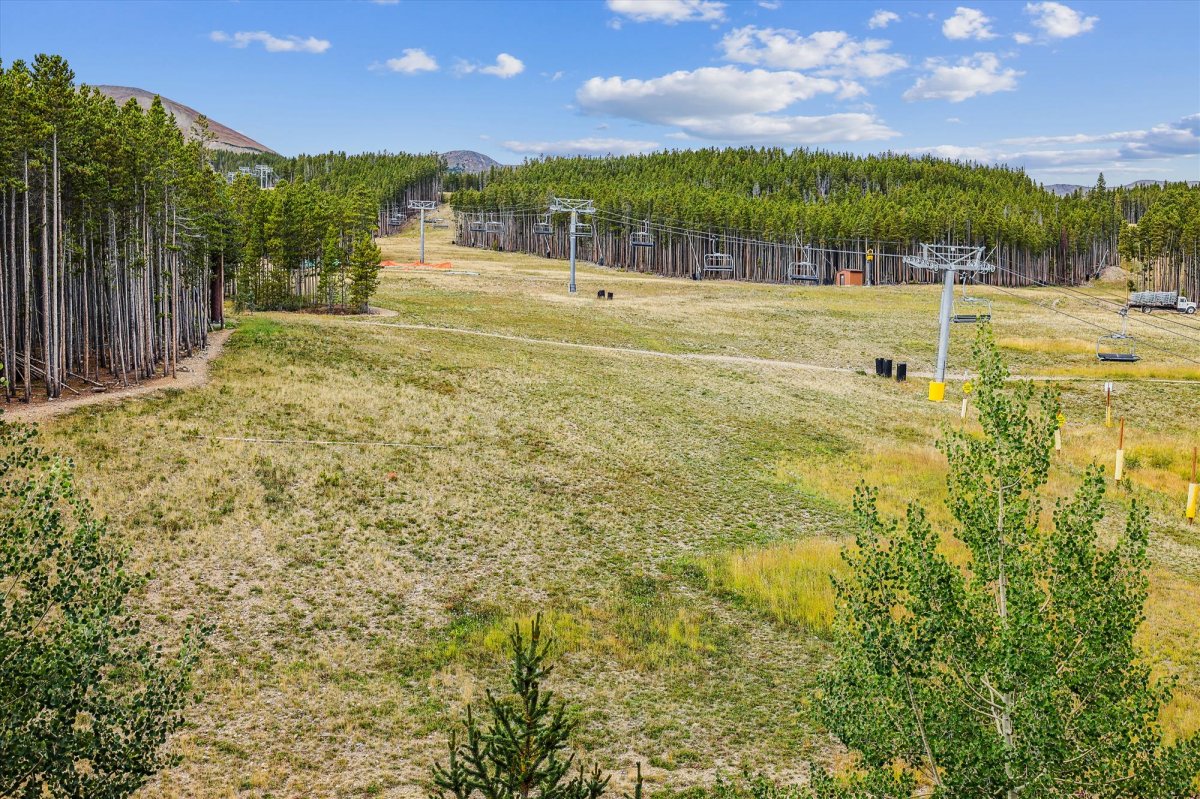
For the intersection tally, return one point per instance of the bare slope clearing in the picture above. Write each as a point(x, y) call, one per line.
point(361, 594)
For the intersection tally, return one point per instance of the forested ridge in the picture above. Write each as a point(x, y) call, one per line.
point(743, 200)
point(119, 236)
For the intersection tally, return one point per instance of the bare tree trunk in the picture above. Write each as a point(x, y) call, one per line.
point(28, 294)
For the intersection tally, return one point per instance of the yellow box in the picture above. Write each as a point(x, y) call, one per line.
point(937, 392)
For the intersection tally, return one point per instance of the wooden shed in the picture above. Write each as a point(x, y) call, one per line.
point(849, 277)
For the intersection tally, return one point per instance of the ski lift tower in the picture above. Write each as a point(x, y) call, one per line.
point(950, 259)
point(576, 207)
point(422, 206)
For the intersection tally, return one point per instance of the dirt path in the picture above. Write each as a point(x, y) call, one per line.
point(731, 359)
point(192, 373)
point(678, 356)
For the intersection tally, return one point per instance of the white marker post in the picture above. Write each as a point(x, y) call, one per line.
point(966, 392)
point(1108, 390)
point(1120, 470)
point(1058, 432)
point(1193, 495)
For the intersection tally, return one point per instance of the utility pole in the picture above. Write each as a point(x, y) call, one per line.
point(576, 207)
point(422, 206)
point(949, 259)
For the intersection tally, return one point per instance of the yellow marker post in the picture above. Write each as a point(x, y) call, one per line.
point(1193, 495)
point(1058, 432)
point(937, 391)
point(966, 391)
point(1120, 452)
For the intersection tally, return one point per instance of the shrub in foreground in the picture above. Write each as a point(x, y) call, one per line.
point(1015, 675)
point(86, 701)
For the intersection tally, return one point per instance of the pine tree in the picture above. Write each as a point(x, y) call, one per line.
point(329, 286)
point(1014, 675)
point(364, 272)
point(521, 751)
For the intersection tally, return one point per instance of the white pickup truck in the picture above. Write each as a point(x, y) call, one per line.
point(1165, 300)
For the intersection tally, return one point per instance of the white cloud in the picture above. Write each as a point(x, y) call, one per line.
point(1128, 150)
point(967, 23)
point(584, 146)
point(770, 5)
point(732, 104)
point(954, 120)
point(954, 152)
point(1022, 38)
point(413, 61)
point(386, 2)
point(789, 130)
point(971, 76)
point(1167, 139)
point(272, 44)
point(881, 19)
point(1059, 21)
point(669, 11)
point(828, 52)
point(709, 91)
point(506, 66)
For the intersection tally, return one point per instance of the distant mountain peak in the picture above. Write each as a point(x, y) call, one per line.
point(469, 161)
point(224, 137)
point(1065, 189)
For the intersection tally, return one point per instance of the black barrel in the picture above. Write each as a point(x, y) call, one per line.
point(901, 372)
point(887, 367)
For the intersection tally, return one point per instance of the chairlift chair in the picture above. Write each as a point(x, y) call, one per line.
point(970, 310)
point(543, 227)
point(804, 270)
point(1118, 347)
point(494, 225)
point(643, 237)
point(582, 229)
point(476, 224)
point(718, 262)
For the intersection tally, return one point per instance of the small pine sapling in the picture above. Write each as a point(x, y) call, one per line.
point(522, 749)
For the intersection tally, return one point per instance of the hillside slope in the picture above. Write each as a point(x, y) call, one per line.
point(468, 161)
point(226, 138)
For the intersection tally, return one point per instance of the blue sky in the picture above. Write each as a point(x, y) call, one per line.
point(1064, 89)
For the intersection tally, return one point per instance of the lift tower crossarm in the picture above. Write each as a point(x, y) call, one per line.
point(949, 259)
point(575, 207)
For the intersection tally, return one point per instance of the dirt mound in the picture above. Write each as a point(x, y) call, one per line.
point(1114, 274)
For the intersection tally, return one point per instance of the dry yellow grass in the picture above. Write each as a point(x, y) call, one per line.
point(792, 581)
point(361, 593)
